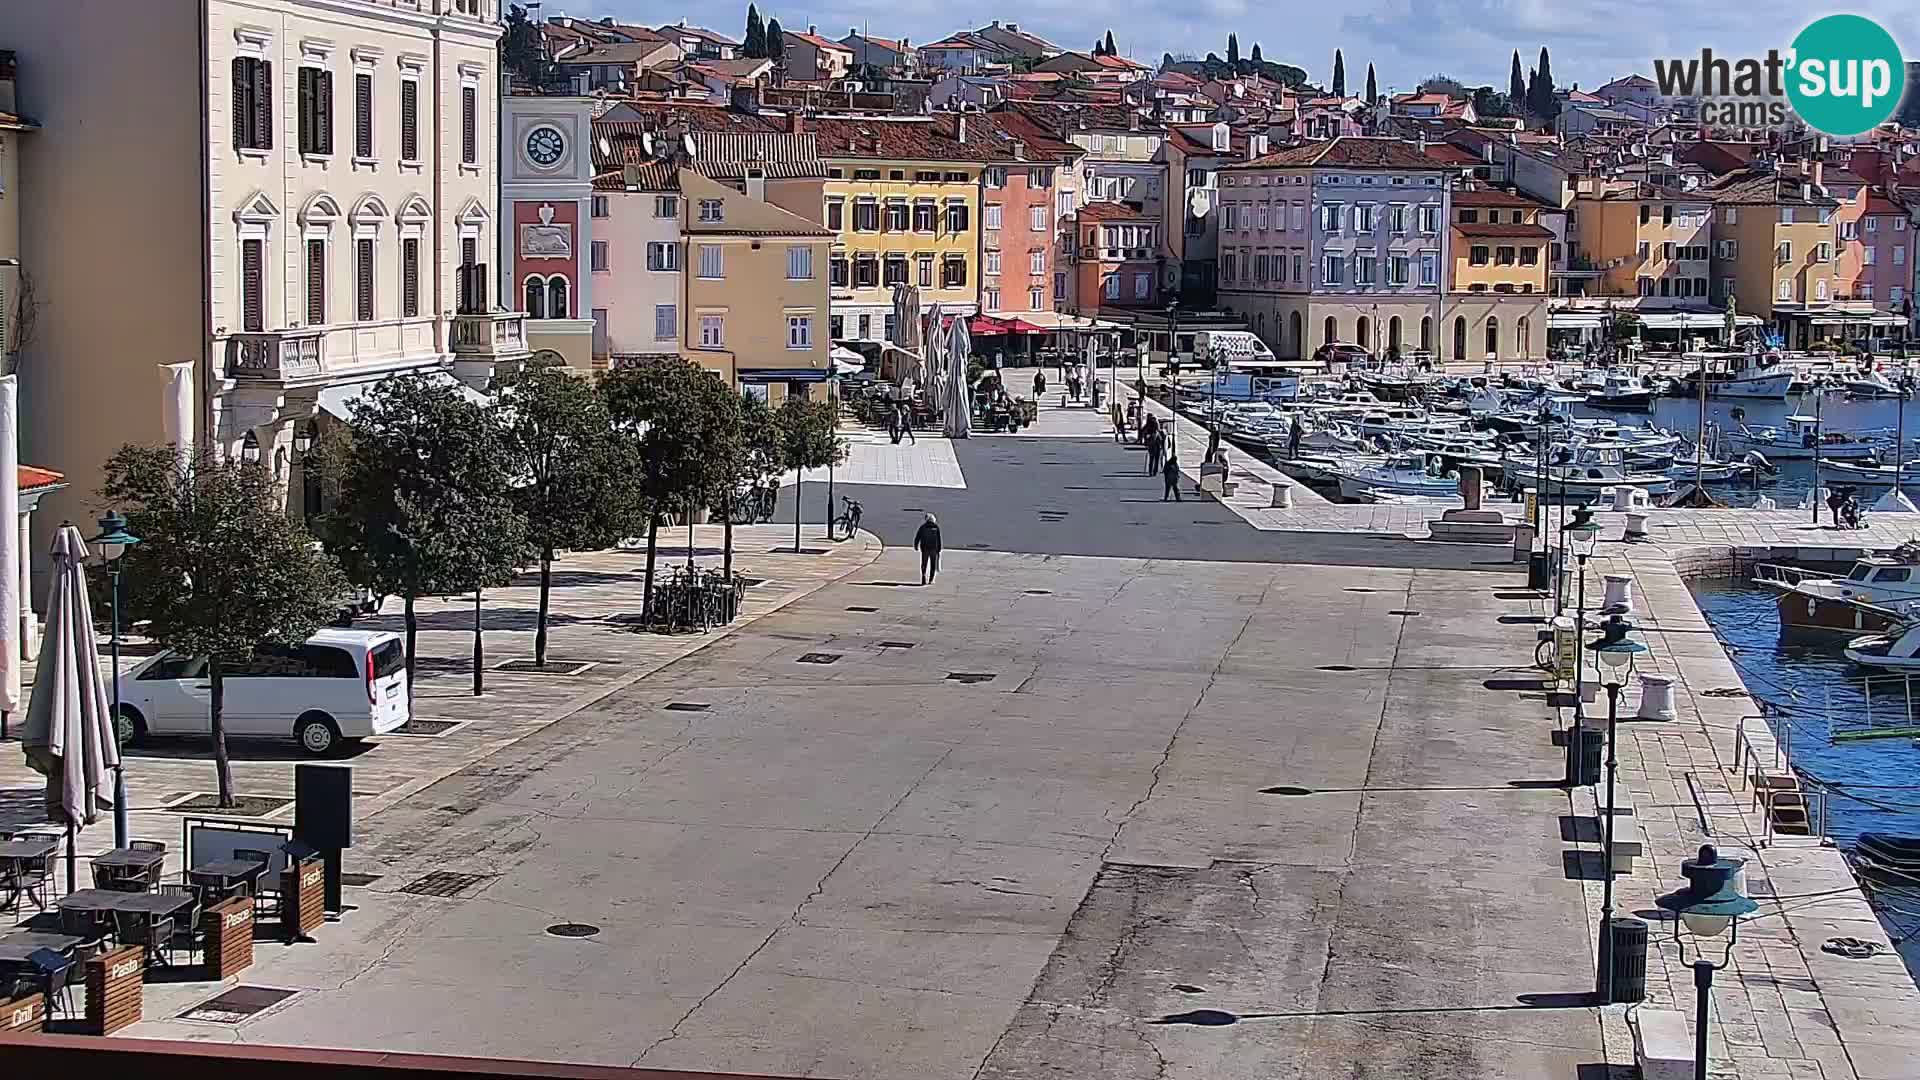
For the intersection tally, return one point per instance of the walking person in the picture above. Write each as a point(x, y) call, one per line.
point(1156, 446)
point(1170, 472)
point(1039, 384)
point(1294, 433)
point(905, 416)
point(927, 540)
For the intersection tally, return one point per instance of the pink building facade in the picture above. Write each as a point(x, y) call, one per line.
point(1886, 253)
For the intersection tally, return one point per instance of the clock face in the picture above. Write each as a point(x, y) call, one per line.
point(544, 146)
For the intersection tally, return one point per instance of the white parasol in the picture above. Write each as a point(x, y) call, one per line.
point(959, 414)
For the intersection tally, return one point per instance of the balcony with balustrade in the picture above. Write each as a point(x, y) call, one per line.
point(277, 356)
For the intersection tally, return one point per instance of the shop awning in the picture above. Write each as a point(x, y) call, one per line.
point(774, 375)
point(1574, 320)
point(1692, 320)
point(337, 400)
point(1051, 321)
point(1875, 319)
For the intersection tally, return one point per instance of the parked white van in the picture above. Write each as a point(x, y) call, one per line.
point(340, 686)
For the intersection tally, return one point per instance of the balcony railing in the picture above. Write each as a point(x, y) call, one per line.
point(277, 355)
point(494, 334)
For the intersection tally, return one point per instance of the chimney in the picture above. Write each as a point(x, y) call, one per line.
point(1019, 150)
point(1133, 121)
point(1013, 27)
point(8, 102)
point(796, 123)
point(756, 183)
point(744, 97)
point(812, 29)
point(960, 124)
point(1818, 174)
point(996, 24)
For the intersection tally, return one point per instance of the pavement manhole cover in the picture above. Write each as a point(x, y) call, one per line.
point(896, 644)
point(687, 706)
point(1403, 611)
point(237, 1005)
point(244, 805)
point(427, 728)
point(970, 676)
point(863, 609)
point(359, 881)
point(444, 883)
point(554, 667)
point(573, 929)
point(819, 657)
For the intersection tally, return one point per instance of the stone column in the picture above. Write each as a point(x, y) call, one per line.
point(29, 624)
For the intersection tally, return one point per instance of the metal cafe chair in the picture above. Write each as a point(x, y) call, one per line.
point(155, 935)
point(254, 886)
point(187, 918)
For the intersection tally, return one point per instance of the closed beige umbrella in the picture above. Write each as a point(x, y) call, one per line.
point(69, 736)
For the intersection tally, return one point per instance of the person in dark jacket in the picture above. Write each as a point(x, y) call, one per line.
point(1170, 472)
point(928, 541)
point(1039, 384)
point(1156, 447)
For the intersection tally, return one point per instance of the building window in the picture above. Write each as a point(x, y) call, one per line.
point(712, 261)
point(1037, 218)
point(1036, 298)
point(599, 207)
point(316, 283)
point(1503, 256)
point(713, 331)
point(1363, 270)
point(956, 217)
point(1529, 256)
point(799, 263)
point(1477, 255)
point(666, 322)
point(1429, 268)
point(799, 331)
point(1429, 219)
point(838, 272)
point(1397, 270)
point(989, 217)
point(253, 283)
point(996, 178)
point(925, 216)
point(1646, 213)
point(866, 216)
point(711, 211)
point(410, 277)
point(926, 271)
point(898, 216)
point(1037, 261)
point(896, 271)
point(666, 206)
point(252, 103)
point(836, 215)
point(363, 116)
point(866, 272)
point(1334, 271)
point(1112, 289)
point(316, 111)
point(953, 271)
point(990, 299)
point(1040, 177)
point(557, 298)
point(597, 256)
point(663, 255)
point(470, 125)
point(1060, 286)
point(536, 298)
point(363, 278)
point(409, 120)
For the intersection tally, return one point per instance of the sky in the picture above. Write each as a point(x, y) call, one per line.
point(1590, 42)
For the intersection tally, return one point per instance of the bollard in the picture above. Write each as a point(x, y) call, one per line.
point(1282, 496)
point(1636, 527)
point(1619, 595)
point(1656, 698)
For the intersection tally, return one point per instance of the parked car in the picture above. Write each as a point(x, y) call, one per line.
point(336, 688)
point(1340, 352)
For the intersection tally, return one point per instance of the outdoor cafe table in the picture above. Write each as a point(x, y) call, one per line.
point(225, 874)
point(16, 948)
point(17, 850)
point(155, 905)
point(146, 862)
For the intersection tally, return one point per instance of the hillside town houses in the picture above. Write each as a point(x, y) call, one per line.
point(332, 191)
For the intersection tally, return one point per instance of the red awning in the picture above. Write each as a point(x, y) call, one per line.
point(1017, 325)
point(987, 324)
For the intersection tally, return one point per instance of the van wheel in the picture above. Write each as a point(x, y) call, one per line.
point(129, 726)
point(317, 734)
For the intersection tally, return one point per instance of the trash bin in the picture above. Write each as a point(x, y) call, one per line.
point(1537, 571)
point(1592, 742)
point(1629, 959)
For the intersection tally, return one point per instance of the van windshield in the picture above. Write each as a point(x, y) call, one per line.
point(388, 659)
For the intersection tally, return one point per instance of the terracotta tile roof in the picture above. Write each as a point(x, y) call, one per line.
point(726, 155)
point(885, 43)
point(1041, 146)
point(933, 138)
point(1119, 62)
point(677, 31)
point(1754, 187)
point(744, 68)
point(691, 116)
point(815, 40)
point(1347, 152)
point(1880, 202)
point(616, 52)
point(1449, 154)
point(1422, 99)
point(1109, 211)
point(1504, 229)
point(1495, 197)
point(31, 477)
point(1840, 174)
point(1638, 190)
point(1065, 118)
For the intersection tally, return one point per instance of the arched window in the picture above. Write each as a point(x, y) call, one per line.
point(1459, 337)
point(1493, 338)
point(1363, 333)
point(536, 297)
point(1294, 341)
point(1331, 331)
point(556, 297)
point(1393, 334)
point(1426, 333)
point(1524, 346)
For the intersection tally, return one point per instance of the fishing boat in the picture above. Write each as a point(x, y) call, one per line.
point(1890, 858)
point(1621, 393)
point(1743, 375)
point(1873, 475)
point(1867, 598)
point(1707, 471)
point(1869, 384)
point(1802, 438)
point(1584, 473)
point(1898, 649)
point(1397, 474)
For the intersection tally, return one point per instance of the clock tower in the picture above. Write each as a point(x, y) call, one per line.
point(546, 191)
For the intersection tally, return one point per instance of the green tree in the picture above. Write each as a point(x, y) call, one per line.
point(575, 480)
point(1233, 50)
point(1444, 84)
point(808, 441)
point(1488, 103)
point(1108, 45)
point(777, 47)
point(424, 506)
point(1256, 55)
point(657, 407)
point(221, 569)
point(1339, 74)
point(756, 44)
point(1516, 84)
point(520, 49)
point(1540, 99)
point(1373, 88)
point(747, 454)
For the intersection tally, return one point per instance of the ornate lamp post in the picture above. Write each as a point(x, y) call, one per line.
point(1616, 652)
point(1709, 906)
point(113, 541)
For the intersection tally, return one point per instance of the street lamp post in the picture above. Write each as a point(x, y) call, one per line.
point(114, 540)
point(1173, 371)
point(1710, 904)
point(1616, 652)
point(1583, 532)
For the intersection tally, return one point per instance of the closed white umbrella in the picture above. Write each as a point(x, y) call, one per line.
point(959, 350)
point(69, 736)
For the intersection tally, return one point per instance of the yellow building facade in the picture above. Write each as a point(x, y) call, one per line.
point(1647, 241)
point(1499, 258)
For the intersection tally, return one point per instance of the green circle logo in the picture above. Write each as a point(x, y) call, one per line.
point(1847, 76)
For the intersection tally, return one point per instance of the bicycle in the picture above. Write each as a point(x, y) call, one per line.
point(847, 523)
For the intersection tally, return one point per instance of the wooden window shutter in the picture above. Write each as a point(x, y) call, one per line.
point(469, 125)
point(323, 103)
point(409, 120)
point(363, 273)
point(253, 304)
point(263, 104)
point(410, 278)
point(309, 136)
point(242, 101)
point(363, 116)
point(469, 254)
point(316, 283)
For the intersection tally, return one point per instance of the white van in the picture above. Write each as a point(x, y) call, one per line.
point(339, 686)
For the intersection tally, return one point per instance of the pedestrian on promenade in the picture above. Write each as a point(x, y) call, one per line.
point(1156, 446)
point(928, 541)
point(1039, 384)
point(905, 417)
point(1148, 426)
point(1170, 472)
point(1119, 417)
point(1294, 434)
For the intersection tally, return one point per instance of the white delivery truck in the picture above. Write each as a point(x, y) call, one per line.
point(1244, 369)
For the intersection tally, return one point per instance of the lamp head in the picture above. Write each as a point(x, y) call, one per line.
point(1711, 901)
point(1614, 649)
point(114, 539)
point(1582, 530)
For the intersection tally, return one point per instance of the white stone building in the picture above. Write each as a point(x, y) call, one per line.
point(272, 198)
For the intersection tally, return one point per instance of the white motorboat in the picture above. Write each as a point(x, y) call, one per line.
point(1898, 649)
point(1707, 471)
point(1621, 393)
point(1802, 438)
point(1399, 474)
point(1742, 375)
point(1870, 384)
point(1872, 475)
point(1593, 471)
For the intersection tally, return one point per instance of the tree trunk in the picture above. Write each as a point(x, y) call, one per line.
point(222, 767)
point(479, 648)
point(653, 535)
point(413, 630)
point(799, 486)
point(540, 631)
point(726, 533)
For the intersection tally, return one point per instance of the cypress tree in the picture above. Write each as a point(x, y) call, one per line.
point(1256, 54)
point(1111, 51)
point(1547, 106)
point(776, 46)
point(1233, 50)
point(756, 43)
point(1339, 74)
point(1517, 85)
point(1373, 89)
